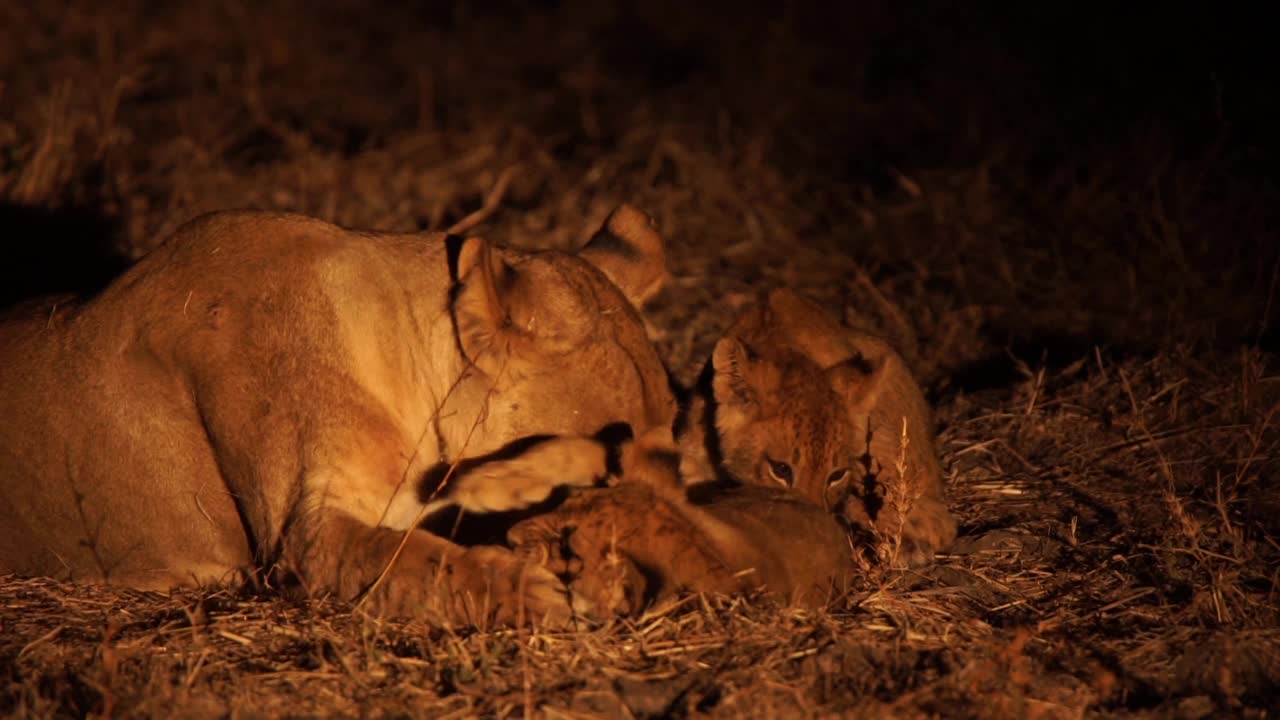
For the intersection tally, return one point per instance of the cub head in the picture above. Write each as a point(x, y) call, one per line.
point(553, 340)
point(779, 420)
point(889, 484)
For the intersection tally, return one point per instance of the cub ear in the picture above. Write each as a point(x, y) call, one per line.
point(480, 309)
point(858, 381)
point(810, 328)
point(630, 252)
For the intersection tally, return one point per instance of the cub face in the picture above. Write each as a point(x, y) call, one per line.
point(804, 402)
point(779, 420)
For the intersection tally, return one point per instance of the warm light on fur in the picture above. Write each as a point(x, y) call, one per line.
point(264, 392)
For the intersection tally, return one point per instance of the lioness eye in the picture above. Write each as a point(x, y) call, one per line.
point(781, 472)
point(837, 475)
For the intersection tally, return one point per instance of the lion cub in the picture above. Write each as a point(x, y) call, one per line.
point(646, 538)
point(803, 435)
point(794, 399)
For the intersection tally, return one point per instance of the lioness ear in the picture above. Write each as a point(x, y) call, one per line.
point(479, 308)
point(737, 379)
point(630, 252)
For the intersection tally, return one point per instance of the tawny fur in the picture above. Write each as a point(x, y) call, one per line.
point(264, 392)
point(647, 538)
point(624, 546)
point(785, 385)
point(790, 385)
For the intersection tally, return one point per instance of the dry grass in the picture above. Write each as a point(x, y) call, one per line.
point(1088, 308)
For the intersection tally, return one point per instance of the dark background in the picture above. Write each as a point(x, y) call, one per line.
point(1122, 155)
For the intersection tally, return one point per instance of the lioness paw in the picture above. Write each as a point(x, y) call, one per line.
point(529, 478)
point(652, 459)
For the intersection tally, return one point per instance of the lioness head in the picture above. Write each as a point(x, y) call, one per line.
point(554, 339)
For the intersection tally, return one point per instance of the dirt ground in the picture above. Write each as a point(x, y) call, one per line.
point(1067, 222)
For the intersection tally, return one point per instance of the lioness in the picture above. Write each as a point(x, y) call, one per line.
point(265, 392)
point(798, 400)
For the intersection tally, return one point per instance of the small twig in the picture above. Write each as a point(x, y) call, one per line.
point(195, 669)
point(983, 445)
point(234, 637)
point(432, 421)
point(1125, 600)
point(1155, 437)
point(1018, 456)
point(491, 203)
point(1197, 552)
point(39, 641)
point(1035, 392)
point(426, 506)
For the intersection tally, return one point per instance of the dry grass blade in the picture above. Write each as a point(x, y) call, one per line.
point(492, 201)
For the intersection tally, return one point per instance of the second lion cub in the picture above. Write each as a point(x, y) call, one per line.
point(795, 399)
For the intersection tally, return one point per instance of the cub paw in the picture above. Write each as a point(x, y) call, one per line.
point(600, 576)
point(929, 529)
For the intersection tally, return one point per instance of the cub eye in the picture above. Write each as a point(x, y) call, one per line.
point(838, 475)
point(781, 472)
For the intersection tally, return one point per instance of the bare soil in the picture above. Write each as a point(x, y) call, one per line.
point(1067, 221)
